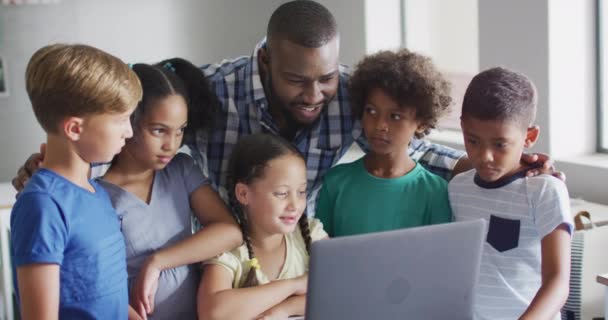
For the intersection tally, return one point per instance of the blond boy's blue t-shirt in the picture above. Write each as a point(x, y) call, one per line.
point(57, 222)
point(353, 201)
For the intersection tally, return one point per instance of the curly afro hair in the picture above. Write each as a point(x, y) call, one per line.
point(411, 79)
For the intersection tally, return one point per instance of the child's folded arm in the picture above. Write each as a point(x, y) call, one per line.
point(218, 300)
point(39, 291)
point(292, 306)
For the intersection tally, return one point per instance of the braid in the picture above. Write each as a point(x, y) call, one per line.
point(251, 280)
point(305, 230)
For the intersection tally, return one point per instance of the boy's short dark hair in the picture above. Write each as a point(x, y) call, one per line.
point(411, 79)
point(77, 80)
point(501, 94)
point(306, 23)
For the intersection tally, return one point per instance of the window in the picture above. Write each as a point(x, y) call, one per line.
point(446, 31)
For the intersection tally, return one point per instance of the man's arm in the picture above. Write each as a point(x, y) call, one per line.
point(447, 162)
point(440, 160)
point(39, 291)
point(463, 165)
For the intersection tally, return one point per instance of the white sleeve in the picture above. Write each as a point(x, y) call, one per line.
point(552, 205)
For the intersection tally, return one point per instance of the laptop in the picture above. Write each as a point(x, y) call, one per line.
point(418, 273)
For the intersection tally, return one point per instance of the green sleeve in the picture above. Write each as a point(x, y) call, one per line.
point(325, 207)
point(441, 212)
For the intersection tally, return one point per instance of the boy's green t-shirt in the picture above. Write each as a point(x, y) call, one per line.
point(352, 201)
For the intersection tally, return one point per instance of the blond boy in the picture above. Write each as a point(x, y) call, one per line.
point(68, 254)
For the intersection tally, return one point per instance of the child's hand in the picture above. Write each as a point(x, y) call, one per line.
point(146, 285)
point(30, 166)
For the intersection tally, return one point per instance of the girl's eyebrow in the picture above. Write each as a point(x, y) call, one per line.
point(287, 185)
point(166, 126)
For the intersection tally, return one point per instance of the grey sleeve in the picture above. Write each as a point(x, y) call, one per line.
point(192, 176)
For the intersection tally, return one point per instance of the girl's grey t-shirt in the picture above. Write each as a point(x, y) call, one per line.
point(163, 222)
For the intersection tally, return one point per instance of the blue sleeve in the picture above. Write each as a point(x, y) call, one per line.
point(39, 232)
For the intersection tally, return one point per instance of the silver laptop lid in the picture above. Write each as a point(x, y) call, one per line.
point(419, 273)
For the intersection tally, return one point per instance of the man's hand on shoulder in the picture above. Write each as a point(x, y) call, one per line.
point(30, 166)
point(541, 164)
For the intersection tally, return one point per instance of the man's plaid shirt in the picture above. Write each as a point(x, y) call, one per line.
point(244, 107)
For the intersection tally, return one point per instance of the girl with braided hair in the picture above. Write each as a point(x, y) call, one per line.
point(266, 277)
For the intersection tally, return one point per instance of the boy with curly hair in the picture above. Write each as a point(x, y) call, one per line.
point(397, 96)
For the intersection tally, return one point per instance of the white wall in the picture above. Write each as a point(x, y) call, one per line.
point(136, 31)
point(572, 76)
point(447, 31)
point(383, 25)
point(350, 16)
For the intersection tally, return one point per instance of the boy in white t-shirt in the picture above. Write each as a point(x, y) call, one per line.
point(525, 267)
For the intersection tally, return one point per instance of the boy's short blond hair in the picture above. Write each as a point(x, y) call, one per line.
point(78, 80)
